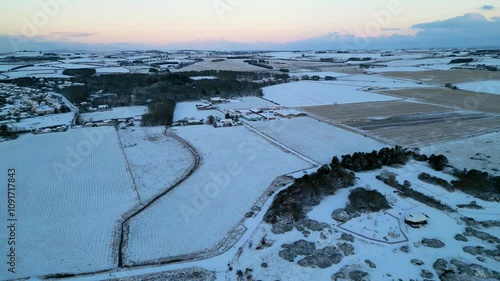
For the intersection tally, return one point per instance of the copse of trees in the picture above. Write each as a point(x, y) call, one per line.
point(367, 161)
point(363, 200)
point(463, 60)
point(164, 87)
point(76, 94)
point(85, 72)
point(159, 113)
point(306, 192)
point(10, 133)
point(477, 183)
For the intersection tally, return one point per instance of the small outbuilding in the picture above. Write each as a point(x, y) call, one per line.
point(417, 220)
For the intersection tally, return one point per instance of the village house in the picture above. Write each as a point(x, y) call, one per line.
point(218, 100)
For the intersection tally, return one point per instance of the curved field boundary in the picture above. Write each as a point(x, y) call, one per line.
point(125, 223)
point(377, 240)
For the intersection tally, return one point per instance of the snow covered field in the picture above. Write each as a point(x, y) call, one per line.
point(114, 113)
point(43, 121)
point(321, 74)
point(301, 94)
point(188, 110)
point(196, 78)
point(394, 69)
point(481, 152)
point(489, 87)
point(156, 161)
point(372, 81)
point(71, 191)
point(204, 209)
point(109, 70)
point(391, 262)
point(315, 139)
point(246, 103)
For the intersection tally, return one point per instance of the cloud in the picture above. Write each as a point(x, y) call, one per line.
point(72, 34)
point(487, 8)
point(468, 31)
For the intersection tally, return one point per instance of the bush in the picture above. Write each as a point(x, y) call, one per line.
point(436, 181)
point(438, 162)
point(364, 200)
point(477, 183)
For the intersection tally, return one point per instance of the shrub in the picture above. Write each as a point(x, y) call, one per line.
point(438, 162)
point(436, 181)
point(364, 200)
point(477, 183)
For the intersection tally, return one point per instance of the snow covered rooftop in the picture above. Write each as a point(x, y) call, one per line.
point(416, 218)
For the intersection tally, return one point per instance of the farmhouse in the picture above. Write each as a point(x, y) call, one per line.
point(416, 220)
point(204, 106)
point(218, 100)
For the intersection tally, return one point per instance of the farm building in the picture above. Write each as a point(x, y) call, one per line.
point(218, 100)
point(268, 115)
point(416, 220)
point(252, 117)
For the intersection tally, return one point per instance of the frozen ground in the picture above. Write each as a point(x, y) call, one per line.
point(43, 121)
point(72, 189)
point(108, 70)
point(391, 262)
point(114, 113)
point(315, 139)
point(489, 87)
point(196, 78)
point(246, 103)
point(204, 210)
point(321, 74)
point(301, 94)
point(394, 68)
point(481, 152)
point(188, 110)
point(156, 161)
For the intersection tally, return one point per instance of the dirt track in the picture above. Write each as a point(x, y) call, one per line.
point(441, 77)
point(409, 123)
point(457, 98)
point(360, 111)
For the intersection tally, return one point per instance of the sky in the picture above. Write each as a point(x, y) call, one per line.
point(247, 24)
